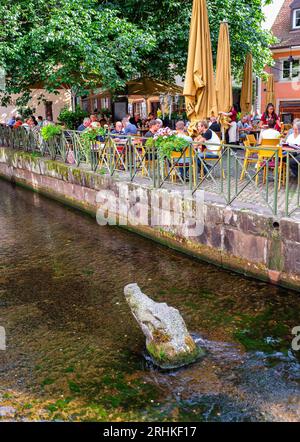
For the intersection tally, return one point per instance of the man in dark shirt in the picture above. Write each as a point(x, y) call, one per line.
point(154, 126)
point(136, 120)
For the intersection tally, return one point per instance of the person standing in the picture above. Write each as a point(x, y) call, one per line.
point(270, 114)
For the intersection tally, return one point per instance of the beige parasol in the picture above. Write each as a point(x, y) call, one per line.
point(223, 71)
point(270, 89)
point(199, 88)
point(247, 87)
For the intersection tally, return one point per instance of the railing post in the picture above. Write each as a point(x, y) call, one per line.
point(228, 175)
point(276, 185)
point(287, 179)
point(190, 167)
point(130, 156)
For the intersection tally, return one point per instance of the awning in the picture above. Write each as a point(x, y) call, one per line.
point(148, 87)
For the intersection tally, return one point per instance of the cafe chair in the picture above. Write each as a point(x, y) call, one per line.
point(266, 160)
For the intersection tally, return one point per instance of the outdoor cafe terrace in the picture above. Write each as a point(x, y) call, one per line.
point(246, 177)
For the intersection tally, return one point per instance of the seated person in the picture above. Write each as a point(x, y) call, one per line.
point(18, 122)
point(154, 126)
point(129, 129)
point(214, 125)
point(271, 133)
point(211, 140)
point(243, 128)
point(86, 123)
point(136, 120)
point(294, 140)
point(94, 121)
point(181, 132)
point(118, 130)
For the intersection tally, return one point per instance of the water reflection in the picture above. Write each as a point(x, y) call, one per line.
point(74, 352)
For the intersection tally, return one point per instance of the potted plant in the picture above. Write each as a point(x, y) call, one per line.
point(90, 139)
point(166, 142)
point(50, 135)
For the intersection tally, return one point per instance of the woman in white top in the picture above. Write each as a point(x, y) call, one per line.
point(271, 133)
point(294, 140)
point(294, 137)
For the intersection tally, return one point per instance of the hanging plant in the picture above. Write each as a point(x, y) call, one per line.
point(90, 137)
point(167, 142)
point(50, 131)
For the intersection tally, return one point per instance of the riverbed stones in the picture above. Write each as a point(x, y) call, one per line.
point(167, 339)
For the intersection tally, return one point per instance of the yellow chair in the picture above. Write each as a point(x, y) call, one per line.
point(184, 164)
point(267, 154)
point(250, 157)
point(219, 153)
point(250, 138)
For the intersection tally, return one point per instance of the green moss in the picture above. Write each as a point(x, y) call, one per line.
point(60, 168)
point(74, 388)
point(255, 331)
point(276, 258)
point(76, 174)
point(47, 381)
point(164, 360)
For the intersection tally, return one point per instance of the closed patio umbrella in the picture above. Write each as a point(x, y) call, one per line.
point(199, 87)
point(247, 87)
point(223, 71)
point(270, 89)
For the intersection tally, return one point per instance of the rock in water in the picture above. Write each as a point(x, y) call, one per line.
point(167, 338)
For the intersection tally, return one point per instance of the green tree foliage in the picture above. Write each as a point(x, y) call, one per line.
point(72, 119)
point(74, 42)
point(85, 43)
point(169, 20)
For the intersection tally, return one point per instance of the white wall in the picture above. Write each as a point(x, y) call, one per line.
point(59, 101)
point(271, 12)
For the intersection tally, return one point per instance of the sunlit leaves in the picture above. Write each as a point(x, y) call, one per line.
point(75, 43)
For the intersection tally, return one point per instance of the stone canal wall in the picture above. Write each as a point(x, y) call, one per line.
point(239, 239)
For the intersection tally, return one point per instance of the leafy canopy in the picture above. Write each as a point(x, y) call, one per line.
point(68, 42)
point(85, 43)
point(169, 21)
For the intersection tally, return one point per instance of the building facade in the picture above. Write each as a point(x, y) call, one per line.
point(286, 69)
point(50, 106)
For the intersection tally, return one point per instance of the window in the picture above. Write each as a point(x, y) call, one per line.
point(296, 19)
point(291, 70)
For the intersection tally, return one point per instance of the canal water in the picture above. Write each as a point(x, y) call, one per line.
point(74, 352)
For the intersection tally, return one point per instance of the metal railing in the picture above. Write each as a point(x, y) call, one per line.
point(256, 176)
